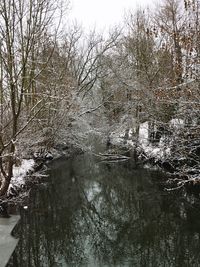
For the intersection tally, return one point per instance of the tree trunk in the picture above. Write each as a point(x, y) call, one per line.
point(4, 186)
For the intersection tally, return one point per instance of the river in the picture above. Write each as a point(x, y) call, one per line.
point(97, 214)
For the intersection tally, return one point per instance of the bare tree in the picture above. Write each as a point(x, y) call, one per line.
point(23, 27)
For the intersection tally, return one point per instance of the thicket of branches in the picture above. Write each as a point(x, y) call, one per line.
point(51, 74)
point(154, 77)
point(46, 71)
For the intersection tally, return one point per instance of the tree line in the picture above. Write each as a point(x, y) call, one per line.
point(49, 72)
point(154, 77)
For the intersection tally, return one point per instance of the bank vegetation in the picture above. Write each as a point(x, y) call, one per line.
point(59, 84)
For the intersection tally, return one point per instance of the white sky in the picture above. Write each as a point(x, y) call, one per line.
point(102, 13)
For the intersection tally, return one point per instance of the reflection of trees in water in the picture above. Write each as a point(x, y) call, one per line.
point(113, 215)
point(47, 234)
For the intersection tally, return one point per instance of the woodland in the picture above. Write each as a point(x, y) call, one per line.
point(59, 85)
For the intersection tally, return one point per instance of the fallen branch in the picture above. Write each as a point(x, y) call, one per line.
point(113, 157)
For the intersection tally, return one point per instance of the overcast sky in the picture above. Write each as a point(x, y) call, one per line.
point(102, 13)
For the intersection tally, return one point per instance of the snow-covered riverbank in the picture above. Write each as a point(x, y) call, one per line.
point(19, 174)
point(32, 168)
point(169, 152)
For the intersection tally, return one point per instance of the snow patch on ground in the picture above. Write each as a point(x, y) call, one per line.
point(160, 151)
point(143, 134)
point(20, 172)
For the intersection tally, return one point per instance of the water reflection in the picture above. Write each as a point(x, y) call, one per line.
point(93, 214)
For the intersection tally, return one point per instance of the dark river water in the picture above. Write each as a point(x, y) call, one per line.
point(94, 214)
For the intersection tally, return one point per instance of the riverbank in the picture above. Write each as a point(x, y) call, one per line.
point(167, 151)
point(32, 170)
point(151, 154)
